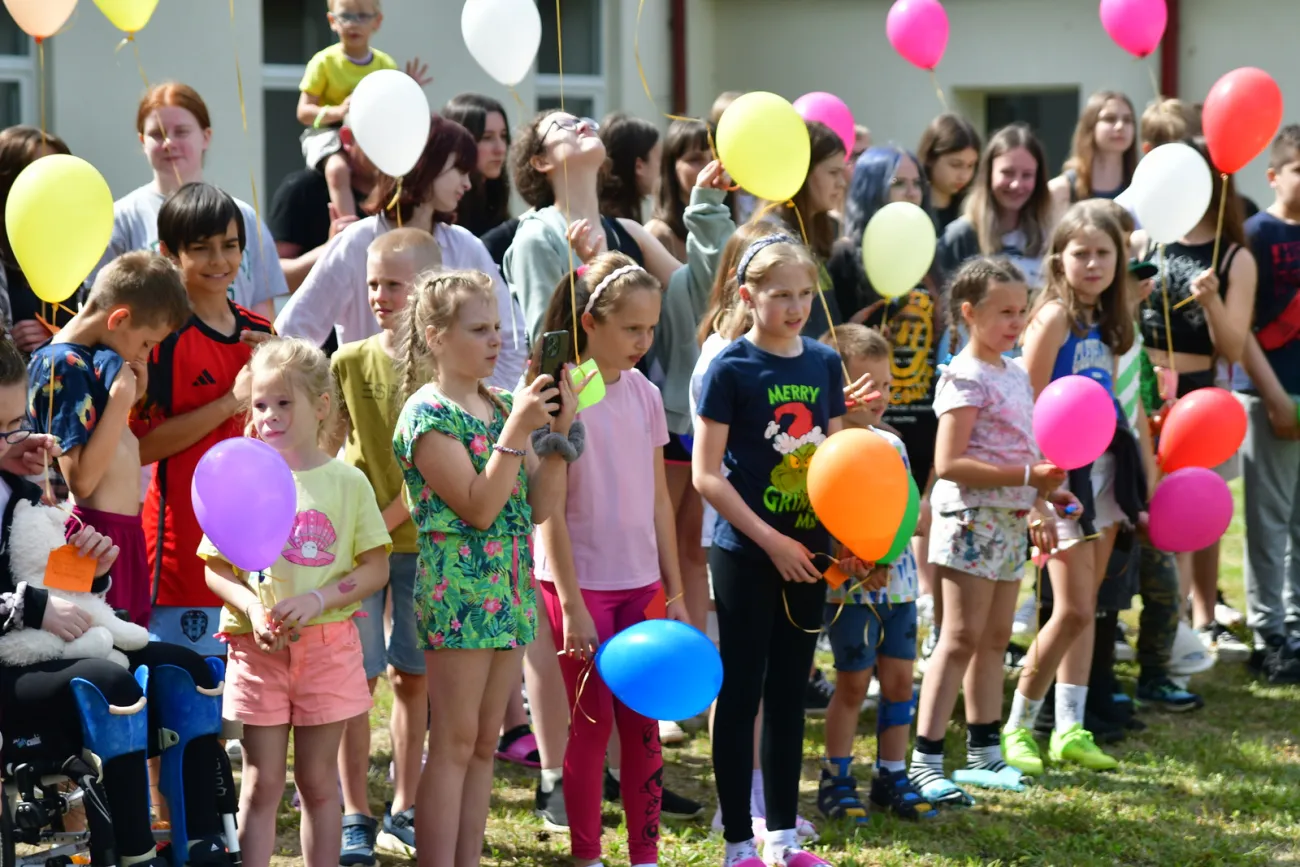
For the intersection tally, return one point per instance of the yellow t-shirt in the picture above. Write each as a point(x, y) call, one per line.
point(337, 521)
point(368, 382)
point(332, 76)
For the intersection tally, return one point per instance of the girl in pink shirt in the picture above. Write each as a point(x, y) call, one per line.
point(600, 563)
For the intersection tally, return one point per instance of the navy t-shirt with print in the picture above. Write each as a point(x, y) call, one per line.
point(779, 410)
point(82, 376)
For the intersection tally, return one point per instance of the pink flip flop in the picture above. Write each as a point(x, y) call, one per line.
point(519, 747)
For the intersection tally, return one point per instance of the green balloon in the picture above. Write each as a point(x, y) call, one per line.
point(906, 529)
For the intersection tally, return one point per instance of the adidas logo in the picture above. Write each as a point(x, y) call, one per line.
point(204, 378)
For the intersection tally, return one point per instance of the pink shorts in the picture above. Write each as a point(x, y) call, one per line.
point(316, 680)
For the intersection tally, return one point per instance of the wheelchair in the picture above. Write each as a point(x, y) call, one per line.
point(33, 806)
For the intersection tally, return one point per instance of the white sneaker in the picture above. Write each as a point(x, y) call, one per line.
point(1227, 615)
point(1225, 646)
point(1189, 655)
point(1025, 616)
point(670, 732)
point(234, 751)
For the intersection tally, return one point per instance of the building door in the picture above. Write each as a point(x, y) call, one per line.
point(1052, 114)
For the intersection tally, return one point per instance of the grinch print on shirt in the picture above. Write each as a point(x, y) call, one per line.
point(795, 437)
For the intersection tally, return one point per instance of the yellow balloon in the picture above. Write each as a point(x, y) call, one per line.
point(763, 142)
point(128, 15)
point(59, 218)
point(898, 248)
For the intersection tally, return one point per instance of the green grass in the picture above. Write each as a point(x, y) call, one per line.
point(1217, 787)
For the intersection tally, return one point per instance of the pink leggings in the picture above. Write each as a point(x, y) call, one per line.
point(641, 774)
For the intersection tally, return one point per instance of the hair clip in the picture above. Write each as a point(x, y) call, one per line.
point(582, 270)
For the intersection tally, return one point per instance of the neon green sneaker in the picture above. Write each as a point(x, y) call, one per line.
point(1020, 751)
point(1075, 745)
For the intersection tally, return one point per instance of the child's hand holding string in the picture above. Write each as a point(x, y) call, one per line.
point(27, 457)
point(297, 611)
point(791, 559)
point(861, 392)
point(563, 422)
point(266, 636)
point(1042, 528)
point(580, 638)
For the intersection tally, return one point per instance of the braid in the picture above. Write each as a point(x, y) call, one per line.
point(410, 376)
point(488, 395)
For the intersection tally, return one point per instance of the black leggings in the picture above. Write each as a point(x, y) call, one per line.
point(42, 723)
point(764, 656)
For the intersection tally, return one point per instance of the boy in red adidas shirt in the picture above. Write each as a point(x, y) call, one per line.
point(196, 397)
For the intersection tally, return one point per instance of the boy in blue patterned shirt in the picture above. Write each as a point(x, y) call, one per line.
point(872, 625)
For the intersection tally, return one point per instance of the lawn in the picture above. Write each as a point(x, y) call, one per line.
point(1217, 787)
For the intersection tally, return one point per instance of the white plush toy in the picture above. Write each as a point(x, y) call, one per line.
point(35, 532)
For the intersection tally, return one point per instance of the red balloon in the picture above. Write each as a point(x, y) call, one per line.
point(1241, 115)
point(1203, 429)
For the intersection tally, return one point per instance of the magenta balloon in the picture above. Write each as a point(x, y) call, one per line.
point(918, 30)
point(245, 499)
point(829, 109)
point(1190, 510)
point(1137, 26)
point(1074, 421)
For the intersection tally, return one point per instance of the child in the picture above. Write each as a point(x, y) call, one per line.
point(616, 508)
point(367, 381)
point(1272, 455)
point(765, 397)
point(475, 491)
point(989, 477)
point(197, 390)
point(1081, 323)
point(295, 656)
point(878, 617)
point(97, 363)
point(326, 92)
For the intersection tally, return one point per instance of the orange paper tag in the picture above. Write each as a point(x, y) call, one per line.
point(835, 575)
point(70, 571)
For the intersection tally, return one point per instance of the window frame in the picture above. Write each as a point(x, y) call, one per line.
point(23, 70)
point(593, 87)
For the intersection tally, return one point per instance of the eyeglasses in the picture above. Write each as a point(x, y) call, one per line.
point(571, 124)
point(14, 437)
point(356, 17)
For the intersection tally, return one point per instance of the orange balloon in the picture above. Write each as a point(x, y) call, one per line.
point(1203, 429)
point(857, 485)
point(40, 18)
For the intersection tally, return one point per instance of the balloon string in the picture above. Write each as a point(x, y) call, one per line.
point(135, 49)
point(568, 242)
point(40, 50)
point(582, 686)
point(1169, 331)
point(938, 89)
point(45, 455)
point(519, 100)
point(1218, 236)
point(243, 114)
point(393, 205)
point(821, 294)
point(1155, 85)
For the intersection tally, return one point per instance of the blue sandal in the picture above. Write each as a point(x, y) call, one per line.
point(1008, 779)
point(945, 793)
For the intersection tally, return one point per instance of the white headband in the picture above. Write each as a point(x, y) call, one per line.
point(609, 278)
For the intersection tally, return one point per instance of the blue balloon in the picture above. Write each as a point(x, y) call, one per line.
point(662, 669)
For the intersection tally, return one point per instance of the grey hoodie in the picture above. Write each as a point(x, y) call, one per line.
point(536, 261)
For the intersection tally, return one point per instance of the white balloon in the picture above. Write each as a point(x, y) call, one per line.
point(503, 36)
point(1171, 191)
point(390, 117)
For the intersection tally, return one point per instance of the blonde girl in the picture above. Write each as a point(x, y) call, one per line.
point(295, 655)
point(475, 489)
point(1104, 153)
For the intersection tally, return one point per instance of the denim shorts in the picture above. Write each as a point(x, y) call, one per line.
point(858, 634)
point(401, 651)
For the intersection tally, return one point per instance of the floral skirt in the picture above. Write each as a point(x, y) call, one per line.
point(475, 594)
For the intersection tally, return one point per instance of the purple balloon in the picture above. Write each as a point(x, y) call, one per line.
point(245, 499)
point(1190, 510)
point(1074, 421)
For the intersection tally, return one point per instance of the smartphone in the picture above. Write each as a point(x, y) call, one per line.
point(552, 354)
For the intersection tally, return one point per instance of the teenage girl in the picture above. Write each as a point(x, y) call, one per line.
point(685, 154)
point(949, 151)
point(989, 477)
point(476, 489)
point(1210, 330)
point(632, 174)
point(1008, 212)
point(295, 655)
point(486, 204)
point(768, 400)
point(1104, 153)
point(616, 508)
point(1081, 323)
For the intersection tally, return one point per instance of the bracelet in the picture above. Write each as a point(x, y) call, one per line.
point(1026, 482)
point(506, 450)
point(321, 600)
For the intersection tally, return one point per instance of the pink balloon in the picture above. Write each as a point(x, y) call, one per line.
point(1074, 421)
point(1137, 26)
point(1190, 510)
point(918, 30)
point(829, 109)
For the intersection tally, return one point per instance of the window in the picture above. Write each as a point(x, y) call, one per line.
point(584, 58)
point(1052, 116)
point(292, 31)
point(18, 84)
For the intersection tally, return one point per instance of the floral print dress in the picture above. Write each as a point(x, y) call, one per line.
point(473, 588)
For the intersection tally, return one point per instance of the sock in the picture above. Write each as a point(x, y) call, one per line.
point(782, 841)
point(836, 767)
point(927, 762)
point(1070, 702)
point(891, 767)
point(984, 747)
point(613, 772)
point(551, 776)
point(757, 799)
point(1023, 712)
point(737, 852)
